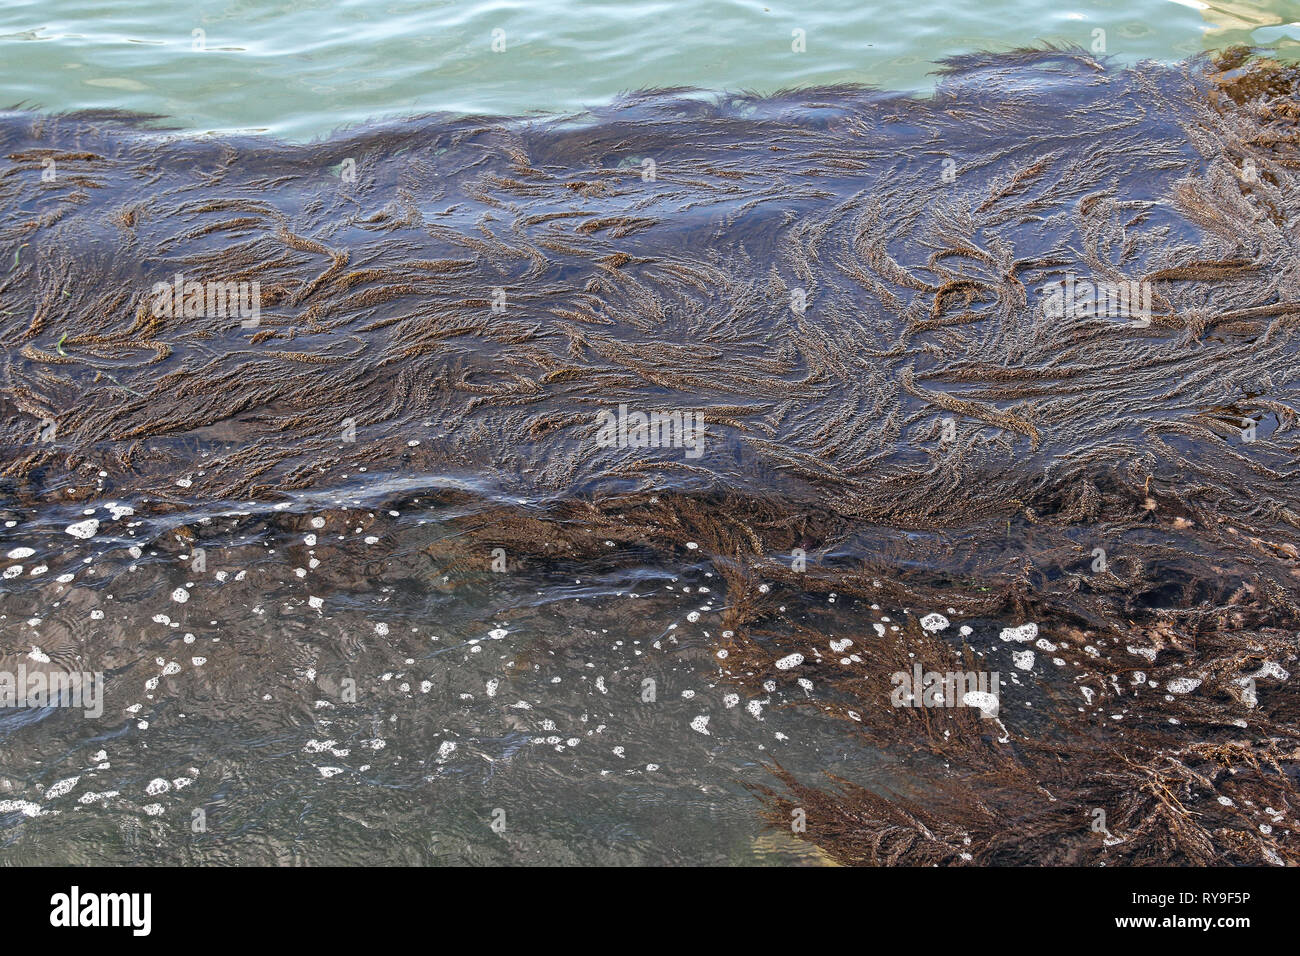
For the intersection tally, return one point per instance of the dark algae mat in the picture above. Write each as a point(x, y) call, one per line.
point(890, 479)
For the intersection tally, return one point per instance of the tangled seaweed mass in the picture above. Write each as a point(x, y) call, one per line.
point(845, 286)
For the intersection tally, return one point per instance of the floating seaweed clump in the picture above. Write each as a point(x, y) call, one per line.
point(858, 297)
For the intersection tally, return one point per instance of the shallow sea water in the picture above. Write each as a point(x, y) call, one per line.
point(560, 703)
point(300, 69)
point(342, 683)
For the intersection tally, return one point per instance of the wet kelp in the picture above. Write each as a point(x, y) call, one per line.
point(672, 291)
point(847, 286)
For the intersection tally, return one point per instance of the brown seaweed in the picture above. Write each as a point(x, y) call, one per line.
point(845, 285)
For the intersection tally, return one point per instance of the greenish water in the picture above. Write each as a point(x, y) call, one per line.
point(302, 68)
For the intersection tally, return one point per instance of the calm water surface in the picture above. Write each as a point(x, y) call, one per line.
point(302, 68)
